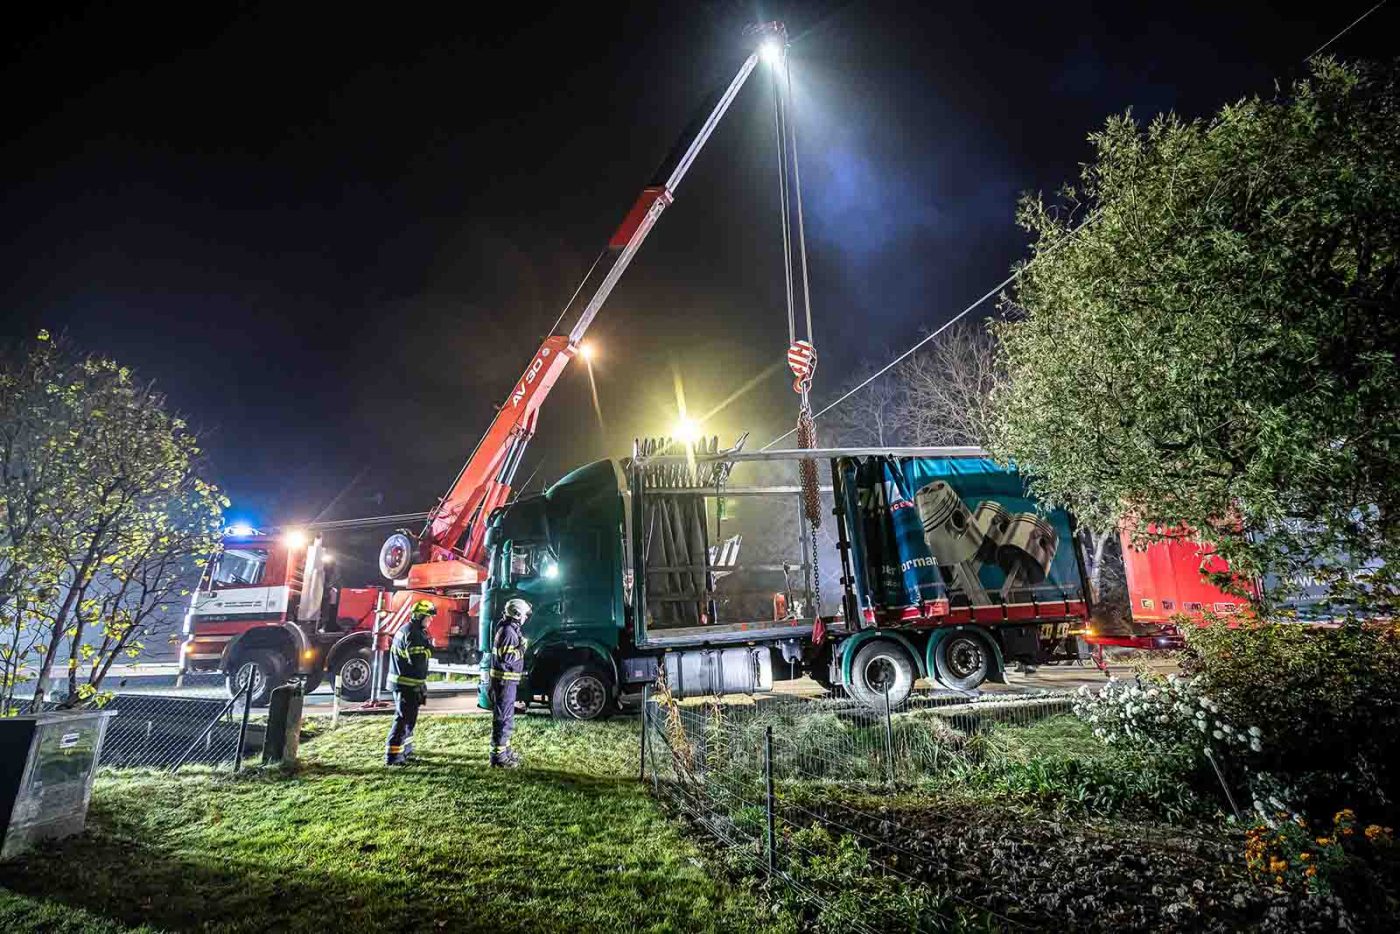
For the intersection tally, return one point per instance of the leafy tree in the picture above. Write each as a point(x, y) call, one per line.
point(1208, 332)
point(104, 515)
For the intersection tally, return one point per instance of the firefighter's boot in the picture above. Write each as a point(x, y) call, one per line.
point(505, 759)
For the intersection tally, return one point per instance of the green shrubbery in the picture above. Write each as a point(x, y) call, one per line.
point(1327, 702)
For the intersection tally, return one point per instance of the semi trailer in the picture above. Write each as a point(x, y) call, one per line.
point(944, 568)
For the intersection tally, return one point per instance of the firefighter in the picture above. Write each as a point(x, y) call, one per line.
point(408, 677)
point(507, 666)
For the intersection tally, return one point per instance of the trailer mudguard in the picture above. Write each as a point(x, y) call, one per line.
point(998, 671)
point(849, 646)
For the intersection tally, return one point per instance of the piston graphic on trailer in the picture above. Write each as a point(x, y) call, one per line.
point(963, 541)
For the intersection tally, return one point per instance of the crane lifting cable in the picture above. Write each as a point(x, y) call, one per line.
point(801, 351)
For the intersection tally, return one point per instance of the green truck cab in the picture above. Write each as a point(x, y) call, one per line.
point(562, 550)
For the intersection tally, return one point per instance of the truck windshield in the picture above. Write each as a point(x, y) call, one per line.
point(240, 567)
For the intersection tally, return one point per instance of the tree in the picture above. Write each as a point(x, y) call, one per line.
point(1208, 332)
point(876, 416)
point(104, 514)
point(948, 385)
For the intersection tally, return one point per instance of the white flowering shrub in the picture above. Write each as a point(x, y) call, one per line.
point(1164, 714)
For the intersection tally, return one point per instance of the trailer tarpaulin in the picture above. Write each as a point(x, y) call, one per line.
point(961, 528)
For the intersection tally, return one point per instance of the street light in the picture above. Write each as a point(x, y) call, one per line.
point(586, 352)
point(771, 51)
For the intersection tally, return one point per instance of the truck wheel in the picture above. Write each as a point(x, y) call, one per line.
point(880, 665)
point(266, 668)
point(963, 661)
point(354, 674)
point(583, 692)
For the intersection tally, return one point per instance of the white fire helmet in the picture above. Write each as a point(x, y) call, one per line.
point(516, 608)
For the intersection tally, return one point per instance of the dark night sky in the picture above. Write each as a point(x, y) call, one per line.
point(335, 234)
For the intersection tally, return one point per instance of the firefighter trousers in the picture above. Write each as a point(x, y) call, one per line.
point(400, 743)
point(501, 694)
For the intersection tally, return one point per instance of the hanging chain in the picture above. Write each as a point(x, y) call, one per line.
point(811, 490)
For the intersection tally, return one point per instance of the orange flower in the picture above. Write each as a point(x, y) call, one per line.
point(1347, 831)
point(1344, 815)
point(1324, 841)
point(1310, 871)
point(1305, 856)
point(1377, 834)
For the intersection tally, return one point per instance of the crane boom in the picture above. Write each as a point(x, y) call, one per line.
point(449, 550)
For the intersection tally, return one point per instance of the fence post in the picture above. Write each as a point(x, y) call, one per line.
point(768, 777)
point(335, 702)
point(243, 727)
point(889, 738)
point(642, 757)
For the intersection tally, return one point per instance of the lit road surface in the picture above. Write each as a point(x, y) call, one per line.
point(160, 679)
point(460, 697)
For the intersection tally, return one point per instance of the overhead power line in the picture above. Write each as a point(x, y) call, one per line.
point(1017, 273)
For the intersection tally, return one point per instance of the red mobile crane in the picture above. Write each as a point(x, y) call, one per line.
point(262, 610)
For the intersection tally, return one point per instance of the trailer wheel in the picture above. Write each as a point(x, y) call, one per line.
point(265, 667)
point(963, 661)
point(354, 674)
point(880, 666)
point(583, 692)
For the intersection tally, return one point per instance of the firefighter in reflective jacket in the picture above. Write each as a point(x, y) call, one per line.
point(507, 666)
point(408, 677)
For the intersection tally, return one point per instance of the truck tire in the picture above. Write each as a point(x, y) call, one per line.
point(268, 669)
point(583, 692)
point(963, 660)
point(878, 664)
point(354, 674)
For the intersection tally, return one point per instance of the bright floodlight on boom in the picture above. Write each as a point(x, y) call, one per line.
point(686, 431)
point(771, 40)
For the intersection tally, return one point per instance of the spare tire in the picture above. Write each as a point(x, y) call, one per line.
point(396, 556)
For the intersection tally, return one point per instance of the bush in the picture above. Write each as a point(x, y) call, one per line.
point(1327, 701)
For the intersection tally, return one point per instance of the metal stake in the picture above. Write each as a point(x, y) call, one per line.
point(889, 737)
point(642, 774)
point(243, 727)
point(768, 776)
point(1220, 776)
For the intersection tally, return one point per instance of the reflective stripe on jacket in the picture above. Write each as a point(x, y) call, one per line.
point(408, 657)
point(508, 651)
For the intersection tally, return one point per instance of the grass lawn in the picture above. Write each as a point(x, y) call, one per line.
point(570, 842)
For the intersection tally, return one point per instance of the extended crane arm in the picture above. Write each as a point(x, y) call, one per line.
point(449, 551)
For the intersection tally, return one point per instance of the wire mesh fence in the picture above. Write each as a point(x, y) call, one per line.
point(820, 798)
point(169, 731)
